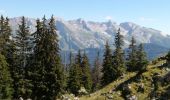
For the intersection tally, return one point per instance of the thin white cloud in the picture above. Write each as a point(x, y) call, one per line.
point(108, 18)
point(144, 19)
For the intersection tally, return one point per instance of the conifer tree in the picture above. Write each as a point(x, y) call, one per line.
point(23, 47)
point(75, 75)
point(13, 68)
point(74, 80)
point(78, 59)
point(2, 32)
point(8, 42)
point(118, 56)
point(86, 73)
point(96, 73)
point(107, 70)
point(71, 59)
point(5, 79)
point(54, 70)
point(168, 58)
point(68, 68)
point(132, 56)
point(36, 70)
point(5, 33)
point(47, 68)
point(142, 61)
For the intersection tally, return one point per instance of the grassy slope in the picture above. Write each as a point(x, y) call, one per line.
point(130, 79)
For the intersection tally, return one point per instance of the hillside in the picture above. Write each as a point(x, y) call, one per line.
point(138, 86)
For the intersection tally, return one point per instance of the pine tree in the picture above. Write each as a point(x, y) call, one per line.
point(78, 59)
point(8, 49)
point(5, 33)
point(80, 74)
point(8, 42)
point(107, 70)
point(13, 68)
point(132, 56)
point(71, 59)
point(118, 56)
point(96, 73)
point(23, 47)
point(74, 80)
point(54, 70)
point(86, 73)
point(75, 75)
point(36, 70)
point(5, 79)
point(2, 32)
point(168, 58)
point(142, 61)
point(47, 69)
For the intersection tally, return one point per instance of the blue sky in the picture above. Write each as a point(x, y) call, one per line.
point(149, 13)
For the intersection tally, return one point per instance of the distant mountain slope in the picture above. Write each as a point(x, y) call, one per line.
point(154, 50)
point(81, 34)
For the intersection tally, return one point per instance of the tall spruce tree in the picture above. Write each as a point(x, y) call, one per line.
point(96, 73)
point(23, 47)
point(132, 56)
point(168, 58)
point(142, 61)
point(8, 49)
point(5, 33)
point(107, 70)
point(13, 67)
point(86, 73)
point(118, 56)
point(5, 77)
point(47, 68)
point(2, 32)
point(54, 70)
point(37, 69)
point(75, 75)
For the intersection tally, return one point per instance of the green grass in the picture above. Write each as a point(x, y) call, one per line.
point(129, 78)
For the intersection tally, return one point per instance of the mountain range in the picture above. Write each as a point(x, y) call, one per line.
point(90, 35)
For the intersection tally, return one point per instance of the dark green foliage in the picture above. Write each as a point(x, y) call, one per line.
point(2, 33)
point(86, 73)
point(137, 60)
point(107, 70)
point(75, 75)
point(142, 61)
point(22, 51)
point(12, 62)
point(168, 59)
point(54, 76)
point(74, 81)
point(118, 56)
point(80, 74)
point(47, 70)
point(96, 73)
point(5, 79)
point(132, 56)
point(5, 33)
point(35, 70)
